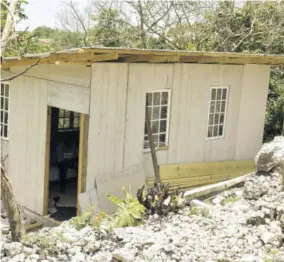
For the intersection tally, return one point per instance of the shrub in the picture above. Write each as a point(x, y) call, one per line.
point(153, 199)
point(84, 219)
point(129, 212)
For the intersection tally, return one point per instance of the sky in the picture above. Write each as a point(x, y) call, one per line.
point(42, 12)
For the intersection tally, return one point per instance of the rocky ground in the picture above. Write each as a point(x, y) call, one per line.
point(241, 224)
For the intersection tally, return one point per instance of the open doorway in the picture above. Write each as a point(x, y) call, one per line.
point(63, 163)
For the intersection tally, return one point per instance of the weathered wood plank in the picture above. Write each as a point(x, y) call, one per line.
point(191, 175)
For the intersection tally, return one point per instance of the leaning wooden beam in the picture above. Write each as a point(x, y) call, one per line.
point(206, 190)
point(152, 147)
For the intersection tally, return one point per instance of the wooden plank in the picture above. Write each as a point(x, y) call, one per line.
point(68, 97)
point(186, 176)
point(105, 57)
point(151, 58)
point(83, 148)
point(199, 169)
point(47, 156)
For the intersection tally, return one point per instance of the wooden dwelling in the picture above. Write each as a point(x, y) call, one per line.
point(207, 114)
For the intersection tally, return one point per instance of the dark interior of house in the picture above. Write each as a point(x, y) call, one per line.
point(63, 168)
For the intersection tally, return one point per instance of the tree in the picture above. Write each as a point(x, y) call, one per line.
point(8, 20)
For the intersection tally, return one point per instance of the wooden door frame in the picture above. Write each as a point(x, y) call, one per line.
point(82, 158)
point(83, 151)
point(47, 157)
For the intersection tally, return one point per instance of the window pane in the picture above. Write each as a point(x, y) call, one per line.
point(218, 107)
point(215, 131)
point(224, 94)
point(210, 131)
point(60, 123)
point(216, 119)
point(2, 89)
point(66, 122)
point(61, 113)
point(223, 105)
point(157, 98)
point(213, 94)
point(163, 126)
point(2, 102)
point(5, 117)
point(6, 104)
point(221, 118)
point(149, 99)
point(212, 107)
point(220, 130)
point(163, 139)
point(219, 92)
point(149, 112)
point(156, 113)
point(7, 91)
point(155, 126)
point(164, 98)
point(2, 116)
point(211, 117)
point(67, 113)
point(5, 131)
point(76, 122)
point(164, 112)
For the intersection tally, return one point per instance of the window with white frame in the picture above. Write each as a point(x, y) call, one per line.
point(217, 112)
point(157, 104)
point(4, 110)
point(68, 120)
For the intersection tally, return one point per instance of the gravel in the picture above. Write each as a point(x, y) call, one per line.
point(244, 224)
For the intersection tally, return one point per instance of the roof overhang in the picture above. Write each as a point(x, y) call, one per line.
point(89, 55)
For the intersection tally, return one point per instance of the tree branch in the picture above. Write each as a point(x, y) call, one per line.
point(22, 72)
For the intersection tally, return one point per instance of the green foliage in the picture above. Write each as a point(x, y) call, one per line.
point(274, 122)
point(19, 14)
point(129, 212)
point(86, 218)
point(200, 211)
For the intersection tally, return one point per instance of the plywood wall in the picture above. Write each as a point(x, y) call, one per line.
point(252, 110)
point(190, 94)
point(27, 134)
point(78, 75)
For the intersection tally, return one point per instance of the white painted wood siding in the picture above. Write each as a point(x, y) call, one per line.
point(68, 97)
point(107, 120)
point(142, 78)
point(189, 115)
point(27, 134)
point(190, 89)
point(252, 110)
point(78, 75)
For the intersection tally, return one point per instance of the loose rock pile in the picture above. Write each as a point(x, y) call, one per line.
point(241, 224)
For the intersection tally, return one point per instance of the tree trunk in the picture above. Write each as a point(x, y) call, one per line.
point(11, 207)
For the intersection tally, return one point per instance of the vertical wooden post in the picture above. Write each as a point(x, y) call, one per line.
point(47, 155)
point(152, 147)
point(82, 165)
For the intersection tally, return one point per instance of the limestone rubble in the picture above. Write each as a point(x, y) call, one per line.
point(244, 223)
